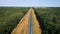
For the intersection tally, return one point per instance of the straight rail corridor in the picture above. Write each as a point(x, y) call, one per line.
point(28, 24)
point(31, 23)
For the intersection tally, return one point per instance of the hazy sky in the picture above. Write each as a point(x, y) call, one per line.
point(30, 3)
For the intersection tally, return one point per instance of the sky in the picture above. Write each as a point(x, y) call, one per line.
point(30, 3)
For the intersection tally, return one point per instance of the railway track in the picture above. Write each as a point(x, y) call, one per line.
point(28, 24)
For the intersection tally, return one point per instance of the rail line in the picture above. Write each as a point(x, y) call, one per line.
point(28, 24)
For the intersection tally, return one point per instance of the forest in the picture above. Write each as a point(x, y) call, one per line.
point(48, 17)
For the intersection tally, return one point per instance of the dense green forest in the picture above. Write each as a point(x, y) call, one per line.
point(48, 17)
point(10, 17)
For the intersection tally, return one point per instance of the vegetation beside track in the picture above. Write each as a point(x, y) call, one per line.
point(49, 19)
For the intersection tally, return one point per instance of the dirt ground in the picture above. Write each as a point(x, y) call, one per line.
point(24, 25)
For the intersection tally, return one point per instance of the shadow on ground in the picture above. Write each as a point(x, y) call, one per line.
point(40, 22)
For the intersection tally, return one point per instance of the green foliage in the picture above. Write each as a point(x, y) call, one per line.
point(50, 18)
point(10, 17)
